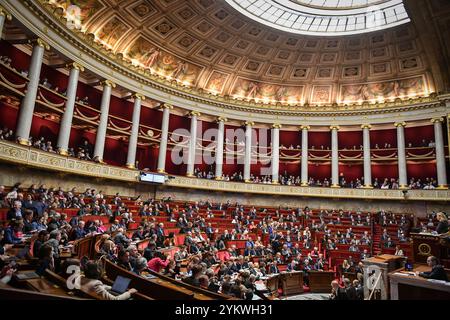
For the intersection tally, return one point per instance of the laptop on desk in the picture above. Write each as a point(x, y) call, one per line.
point(119, 286)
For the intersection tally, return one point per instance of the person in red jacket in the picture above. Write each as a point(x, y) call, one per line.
point(159, 262)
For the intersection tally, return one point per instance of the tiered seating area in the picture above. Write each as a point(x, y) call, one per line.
point(281, 239)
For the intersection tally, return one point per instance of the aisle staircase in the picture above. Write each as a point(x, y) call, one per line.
point(377, 232)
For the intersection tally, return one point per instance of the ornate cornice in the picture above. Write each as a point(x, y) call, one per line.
point(189, 98)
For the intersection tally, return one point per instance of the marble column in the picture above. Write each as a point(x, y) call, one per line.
point(132, 143)
point(66, 120)
point(4, 15)
point(276, 153)
point(440, 154)
point(219, 147)
point(402, 169)
point(334, 157)
point(367, 156)
point(103, 124)
point(304, 163)
point(28, 102)
point(248, 150)
point(192, 144)
point(164, 138)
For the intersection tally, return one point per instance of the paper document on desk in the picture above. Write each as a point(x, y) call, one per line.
point(404, 274)
point(437, 281)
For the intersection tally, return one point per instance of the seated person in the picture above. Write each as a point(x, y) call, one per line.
point(437, 271)
point(91, 283)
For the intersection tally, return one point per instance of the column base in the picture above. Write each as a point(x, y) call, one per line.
point(369, 186)
point(275, 182)
point(335, 186)
point(130, 166)
point(247, 181)
point(24, 142)
point(161, 171)
point(304, 184)
point(403, 187)
point(190, 175)
point(99, 160)
point(63, 152)
point(442, 187)
point(218, 178)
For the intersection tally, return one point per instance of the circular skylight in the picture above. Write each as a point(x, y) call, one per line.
point(324, 17)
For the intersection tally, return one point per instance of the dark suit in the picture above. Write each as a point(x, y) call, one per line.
point(437, 273)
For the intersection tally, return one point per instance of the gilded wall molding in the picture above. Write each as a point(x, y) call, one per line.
point(280, 190)
point(22, 155)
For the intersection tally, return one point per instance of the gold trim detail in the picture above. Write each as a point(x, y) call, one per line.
point(5, 14)
point(434, 120)
point(75, 65)
point(335, 128)
point(366, 126)
point(25, 155)
point(11, 152)
point(305, 127)
point(277, 126)
point(108, 83)
point(400, 124)
point(63, 152)
point(138, 96)
point(40, 42)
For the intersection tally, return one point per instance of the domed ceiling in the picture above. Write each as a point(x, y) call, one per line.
point(210, 46)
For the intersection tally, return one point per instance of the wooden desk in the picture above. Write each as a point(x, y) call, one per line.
point(292, 282)
point(320, 281)
point(404, 286)
point(272, 283)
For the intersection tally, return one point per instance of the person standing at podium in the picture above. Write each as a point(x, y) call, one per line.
point(437, 271)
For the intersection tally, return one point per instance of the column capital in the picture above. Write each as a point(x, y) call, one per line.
point(366, 126)
point(305, 127)
point(108, 83)
point(434, 120)
point(249, 123)
point(166, 106)
point(277, 126)
point(400, 124)
point(195, 113)
point(75, 65)
point(40, 42)
point(5, 14)
point(335, 128)
point(221, 119)
point(138, 96)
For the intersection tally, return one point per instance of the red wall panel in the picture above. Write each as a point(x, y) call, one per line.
point(318, 139)
point(349, 139)
point(417, 134)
